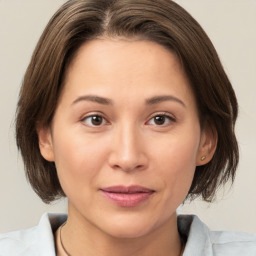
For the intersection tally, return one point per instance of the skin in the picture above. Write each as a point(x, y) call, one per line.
point(127, 146)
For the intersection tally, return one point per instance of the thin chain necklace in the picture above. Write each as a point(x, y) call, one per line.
point(61, 243)
point(182, 247)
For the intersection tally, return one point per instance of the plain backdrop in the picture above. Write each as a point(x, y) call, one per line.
point(231, 24)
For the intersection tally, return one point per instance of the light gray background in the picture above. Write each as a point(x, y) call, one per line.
point(231, 24)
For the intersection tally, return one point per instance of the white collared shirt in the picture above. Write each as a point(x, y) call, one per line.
point(39, 240)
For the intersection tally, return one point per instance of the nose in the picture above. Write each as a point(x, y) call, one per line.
point(128, 152)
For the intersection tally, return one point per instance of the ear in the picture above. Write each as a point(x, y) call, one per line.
point(45, 143)
point(208, 144)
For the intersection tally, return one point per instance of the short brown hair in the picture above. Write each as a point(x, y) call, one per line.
point(163, 22)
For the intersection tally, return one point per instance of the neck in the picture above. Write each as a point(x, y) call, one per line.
point(82, 238)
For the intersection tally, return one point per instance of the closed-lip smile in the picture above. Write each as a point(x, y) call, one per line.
point(127, 196)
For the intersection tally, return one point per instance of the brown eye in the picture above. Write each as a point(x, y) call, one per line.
point(159, 120)
point(95, 120)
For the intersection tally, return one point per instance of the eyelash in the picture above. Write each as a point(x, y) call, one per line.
point(164, 115)
point(92, 116)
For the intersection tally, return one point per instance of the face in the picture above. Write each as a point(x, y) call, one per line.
point(125, 136)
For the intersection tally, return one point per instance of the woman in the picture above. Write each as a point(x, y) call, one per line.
point(126, 110)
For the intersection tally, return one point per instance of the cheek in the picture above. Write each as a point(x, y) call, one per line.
point(179, 153)
point(78, 160)
point(178, 164)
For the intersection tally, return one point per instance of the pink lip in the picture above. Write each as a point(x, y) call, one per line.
point(127, 196)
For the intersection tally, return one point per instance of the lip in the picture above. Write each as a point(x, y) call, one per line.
point(127, 196)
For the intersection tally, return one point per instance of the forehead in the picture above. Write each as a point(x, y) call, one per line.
point(121, 64)
point(126, 51)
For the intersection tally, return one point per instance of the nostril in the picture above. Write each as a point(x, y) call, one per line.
point(127, 155)
point(129, 168)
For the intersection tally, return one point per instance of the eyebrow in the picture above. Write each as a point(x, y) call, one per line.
point(93, 98)
point(162, 98)
point(106, 101)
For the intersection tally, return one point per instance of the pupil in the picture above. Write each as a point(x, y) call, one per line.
point(96, 120)
point(159, 120)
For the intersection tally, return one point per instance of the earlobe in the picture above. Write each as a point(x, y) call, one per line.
point(207, 147)
point(45, 143)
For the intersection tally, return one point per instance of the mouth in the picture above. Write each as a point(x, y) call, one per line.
point(130, 196)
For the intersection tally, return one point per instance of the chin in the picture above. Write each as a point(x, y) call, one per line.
point(129, 227)
point(129, 232)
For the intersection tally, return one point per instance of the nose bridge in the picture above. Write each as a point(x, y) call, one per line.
point(127, 151)
point(128, 138)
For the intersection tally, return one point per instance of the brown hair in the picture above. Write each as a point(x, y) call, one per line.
point(163, 22)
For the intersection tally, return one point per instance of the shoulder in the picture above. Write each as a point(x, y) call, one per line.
point(38, 240)
point(201, 241)
point(233, 243)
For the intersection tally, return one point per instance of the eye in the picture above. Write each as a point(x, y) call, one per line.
point(161, 120)
point(94, 120)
